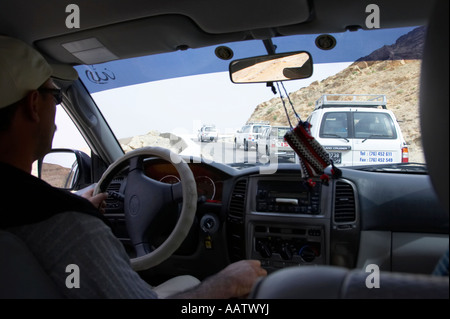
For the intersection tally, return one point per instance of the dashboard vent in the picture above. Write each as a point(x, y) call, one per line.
point(236, 229)
point(114, 201)
point(237, 202)
point(114, 186)
point(344, 205)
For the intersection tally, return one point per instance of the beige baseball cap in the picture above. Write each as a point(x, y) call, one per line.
point(23, 69)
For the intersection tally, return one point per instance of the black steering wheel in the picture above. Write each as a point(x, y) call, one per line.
point(144, 198)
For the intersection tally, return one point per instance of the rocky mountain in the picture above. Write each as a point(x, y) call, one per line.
point(392, 70)
point(407, 47)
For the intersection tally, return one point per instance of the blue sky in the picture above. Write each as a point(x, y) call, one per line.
point(190, 62)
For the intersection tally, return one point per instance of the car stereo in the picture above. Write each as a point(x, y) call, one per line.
point(292, 197)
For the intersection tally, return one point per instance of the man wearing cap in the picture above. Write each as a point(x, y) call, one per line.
point(28, 99)
point(61, 228)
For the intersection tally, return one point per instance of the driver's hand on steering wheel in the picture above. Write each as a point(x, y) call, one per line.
point(99, 200)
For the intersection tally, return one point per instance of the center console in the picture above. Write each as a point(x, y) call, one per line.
point(287, 222)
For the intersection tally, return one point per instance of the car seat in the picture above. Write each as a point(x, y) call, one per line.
point(21, 275)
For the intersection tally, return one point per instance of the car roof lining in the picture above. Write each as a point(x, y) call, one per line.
point(139, 27)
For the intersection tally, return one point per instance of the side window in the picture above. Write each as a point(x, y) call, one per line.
point(67, 135)
point(246, 129)
point(334, 124)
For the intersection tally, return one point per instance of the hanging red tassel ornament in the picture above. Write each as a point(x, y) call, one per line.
point(313, 157)
point(311, 153)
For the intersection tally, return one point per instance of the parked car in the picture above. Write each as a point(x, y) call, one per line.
point(208, 133)
point(358, 129)
point(249, 134)
point(272, 142)
point(164, 66)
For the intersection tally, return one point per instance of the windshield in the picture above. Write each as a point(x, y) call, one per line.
point(144, 99)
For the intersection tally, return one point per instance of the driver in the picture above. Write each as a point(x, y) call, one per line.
point(62, 228)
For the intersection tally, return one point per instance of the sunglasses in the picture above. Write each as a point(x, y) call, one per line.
point(57, 95)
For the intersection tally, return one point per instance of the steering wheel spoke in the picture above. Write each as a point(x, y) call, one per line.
point(177, 192)
point(144, 199)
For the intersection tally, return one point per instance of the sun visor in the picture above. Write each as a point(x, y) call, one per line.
point(64, 72)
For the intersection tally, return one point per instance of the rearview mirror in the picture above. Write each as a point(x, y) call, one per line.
point(272, 68)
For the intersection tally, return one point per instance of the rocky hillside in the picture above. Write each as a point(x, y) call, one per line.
point(397, 78)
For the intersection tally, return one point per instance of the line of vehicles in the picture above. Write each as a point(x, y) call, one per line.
point(355, 129)
point(266, 139)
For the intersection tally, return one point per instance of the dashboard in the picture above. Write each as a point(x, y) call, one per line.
point(284, 220)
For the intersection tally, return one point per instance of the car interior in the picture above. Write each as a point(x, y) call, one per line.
point(316, 239)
